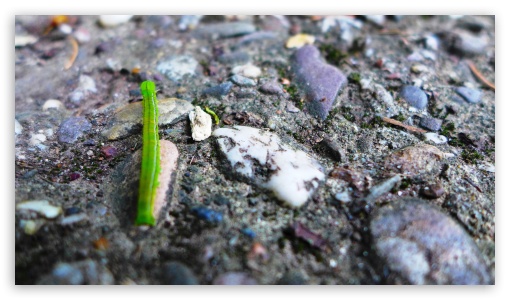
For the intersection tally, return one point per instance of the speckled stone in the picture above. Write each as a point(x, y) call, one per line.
point(225, 30)
point(272, 88)
point(415, 160)
point(176, 68)
point(414, 96)
point(243, 81)
point(468, 94)
point(429, 123)
point(425, 246)
point(72, 128)
point(320, 81)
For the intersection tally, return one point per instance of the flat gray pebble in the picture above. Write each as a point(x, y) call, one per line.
point(320, 81)
point(292, 278)
point(78, 273)
point(414, 96)
point(468, 94)
point(234, 278)
point(425, 246)
point(429, 123)
point(218, 90)
point(225, 30)
point(234, 58)
point(72, 128)
point(175, 273)
point(243, 81)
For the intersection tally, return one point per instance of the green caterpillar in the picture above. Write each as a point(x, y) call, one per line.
point(150, 156)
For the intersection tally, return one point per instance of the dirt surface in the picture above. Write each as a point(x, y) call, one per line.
point(258, 239)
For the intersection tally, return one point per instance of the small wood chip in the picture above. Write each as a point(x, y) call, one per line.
point(70, 63)
point(398, 123)
point(479, 75)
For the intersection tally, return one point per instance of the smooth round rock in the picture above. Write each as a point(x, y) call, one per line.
point(429, 123)
point(425, 246)
point(414, 96)
point(175, 273)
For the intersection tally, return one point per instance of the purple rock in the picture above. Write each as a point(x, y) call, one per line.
point(320, 81)
point(429, 123)
point(425, 246)
point(72, 128)
point(414, 96)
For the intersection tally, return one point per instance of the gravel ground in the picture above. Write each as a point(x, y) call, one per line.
point(348, 150)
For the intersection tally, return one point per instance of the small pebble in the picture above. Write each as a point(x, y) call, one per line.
point(429, 123)
point(299, 40)
point(42, 207)
point(415, 160)
point(78, 273)
point(218, 90)
point(24, 40)
point(73, 219)
point(176, 273)
point(72, 210)
point(30, 227)
point(234, 278)
point(419, 69)
point(290, 107)
point(433, 191)
point(178, 67)
point(189, 22)
point(414, 96)
point(109, 151)
point(272, 88)
point(73, 176)
point(225, 30)
point(207, 214)
point(469, 94)
point(82, 35)
point(432, 42)
point(376, 19)
point(292, 277)
point(435, 137)
point(37, 139)
point(243, 81)
point(247, 70)
point(201, 124)
point(248, 232)
point(113, 20)
point(487, 167)
point(469, 44)
point(52, 104)
point(72, 128)
point(234, 58)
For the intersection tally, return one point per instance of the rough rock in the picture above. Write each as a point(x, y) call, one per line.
point(73, 128)
point(415, 160)
point(262, 158)
point(129, 117)
point(178, 67)
point(201, 124)
point(78, 273)
point(414, 96)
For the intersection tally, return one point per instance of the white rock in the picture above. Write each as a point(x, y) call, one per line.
point(17, 127)
point(113, 20)
point(201, 124)
point(383, 95)
point(487, 167)
point(73, 219)
point(432, 42)
point(247, 70)
point(65, 28)
point(23, 40)
point(37, 139)
point(292, 175)
point(436, 138)
point(87, 84)
point(52, 104)
point(42, 207)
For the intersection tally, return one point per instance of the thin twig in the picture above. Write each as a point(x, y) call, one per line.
point(479, 75)
point(71, 60)
point(398, 123)
point(472, 183)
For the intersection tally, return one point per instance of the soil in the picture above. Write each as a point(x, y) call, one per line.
point(336, 247)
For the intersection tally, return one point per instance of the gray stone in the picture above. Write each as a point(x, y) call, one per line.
point(243, 81)
point(72, 128)
point(234, 278)
point(429, 123)
point(320, 81)
point(272, 88)
point(225, 30)
point(468, 94)
point(175, 273)
point(469, 44)
point(176, 68)
point(218, 90)
point(292, 277)
point(425, 246)
point(189, 22)
point(128, 118)
point(256, 37)
point(414, 96)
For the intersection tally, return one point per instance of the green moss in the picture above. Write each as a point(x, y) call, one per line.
point(447, 129)
point(354, 77)
point(400, 117)
point(332, 54)
point(471, 156)
point(347, 113)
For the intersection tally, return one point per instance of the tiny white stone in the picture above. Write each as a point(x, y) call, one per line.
point(17, 127)
point(65, 28)
point(23, 40)
point(113, 20)
point(90, 153)
point(72, 219)
point(52, 104)
point(36, 139)
point(87, 84)
point(487, 167)
point(201, 124)
point(436, 138)
point(419, 68)
point(293, 176)
point(247, 70)
point(42, 207)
